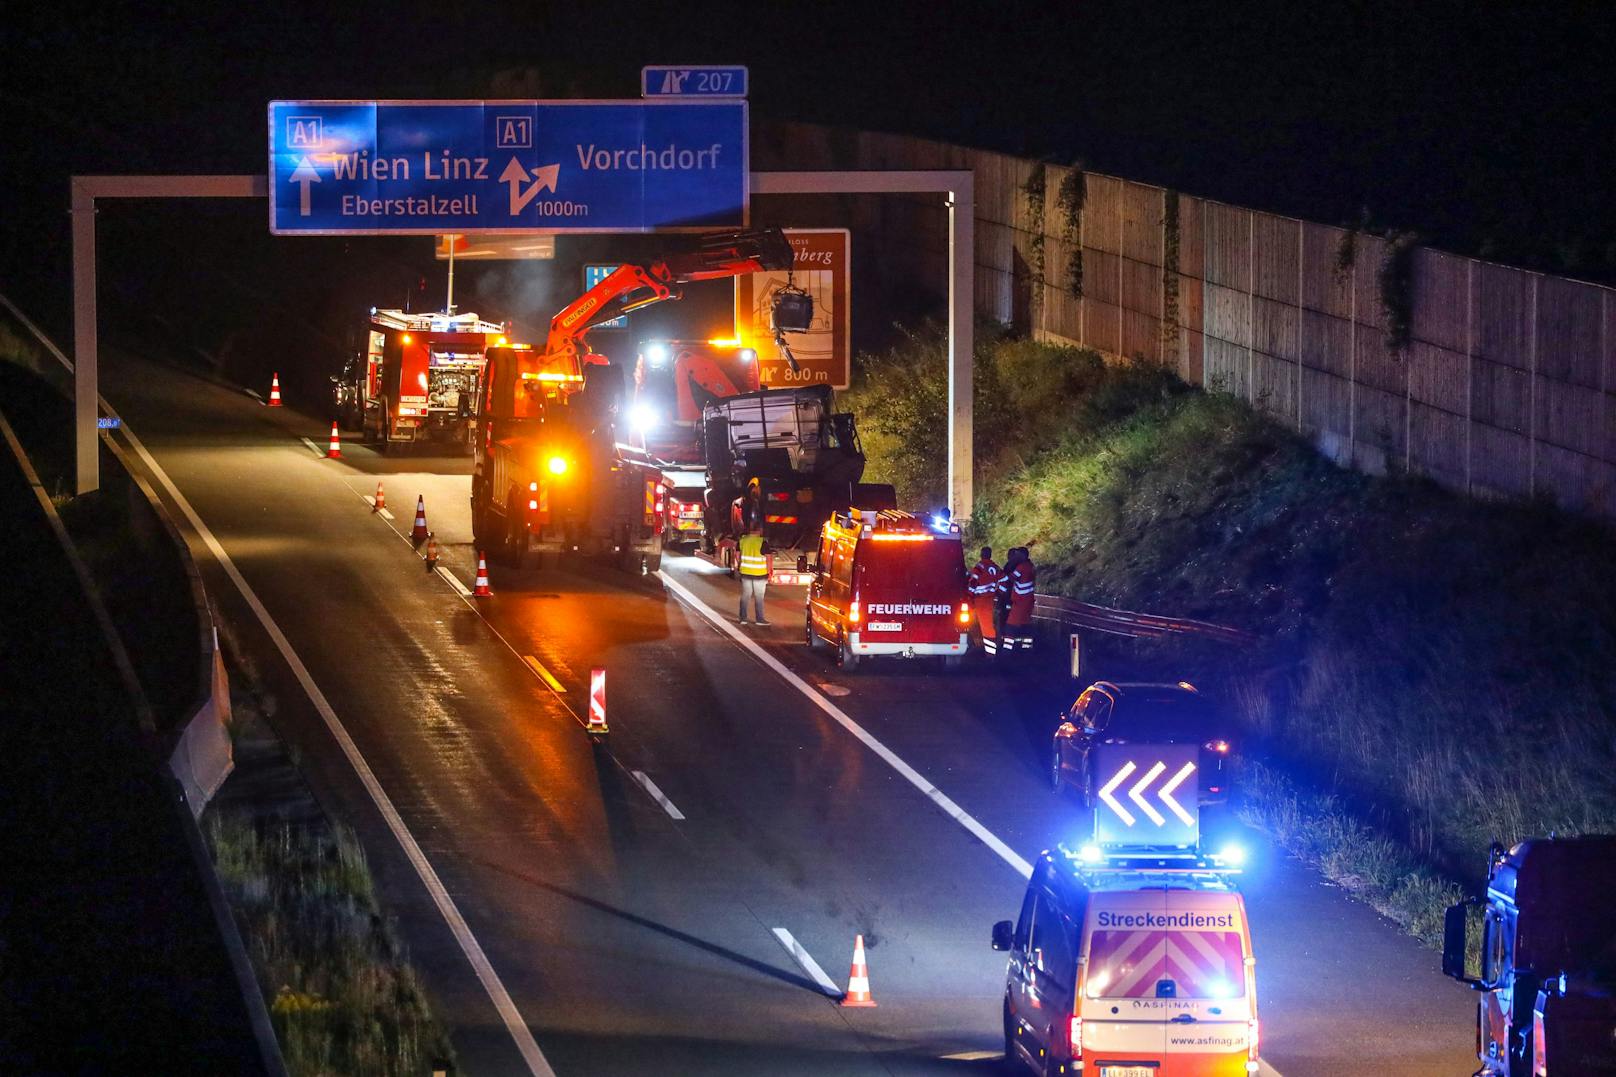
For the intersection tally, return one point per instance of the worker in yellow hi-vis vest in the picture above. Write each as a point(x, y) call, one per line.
point(754, 572)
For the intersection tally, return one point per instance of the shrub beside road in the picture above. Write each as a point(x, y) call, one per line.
point(1439, 671)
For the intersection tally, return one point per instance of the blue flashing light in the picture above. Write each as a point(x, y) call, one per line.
point(1232, 854)
point(657, 354)
point(1090, 853)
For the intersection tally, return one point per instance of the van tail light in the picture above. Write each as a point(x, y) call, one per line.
point(853, 611)
point(1219, 746)
point(1252, 1038)
point(780, 497)
point(1076, 1031)
point(965, 613)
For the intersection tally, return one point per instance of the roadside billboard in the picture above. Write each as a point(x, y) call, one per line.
point(823, 268)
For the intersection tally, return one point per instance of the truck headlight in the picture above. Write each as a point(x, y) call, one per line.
point(642, 417)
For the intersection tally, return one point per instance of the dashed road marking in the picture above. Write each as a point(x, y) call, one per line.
point(657, 794)
point(313, 448)
point(972, 1056)
point(454, 581)
point(370, 499)
point(544, 675)
point(806, 960)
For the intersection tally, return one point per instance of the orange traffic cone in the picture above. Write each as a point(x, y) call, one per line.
point(858, 978)
point(418, 532)
point(275, 390)
point(381, 499)
point(597, 702)
point(335, 451)
point(480, 589)
point(433, 551)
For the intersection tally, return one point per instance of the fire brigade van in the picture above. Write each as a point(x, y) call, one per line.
point(1130, 966)
point(885, 583)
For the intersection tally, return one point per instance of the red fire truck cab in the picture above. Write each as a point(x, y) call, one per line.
point(886, 583)
point(420, 376)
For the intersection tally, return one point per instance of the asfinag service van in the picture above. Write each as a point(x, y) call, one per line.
point(1130, 967)
point(888, 583)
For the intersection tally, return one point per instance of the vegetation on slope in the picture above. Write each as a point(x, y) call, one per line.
point(1444, 669)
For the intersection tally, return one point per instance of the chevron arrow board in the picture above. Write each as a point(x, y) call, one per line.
point(1146, 794)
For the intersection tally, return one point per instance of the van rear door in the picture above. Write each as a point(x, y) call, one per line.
point(1166, 982)
point(912, 586)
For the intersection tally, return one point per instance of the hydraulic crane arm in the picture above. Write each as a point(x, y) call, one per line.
point(630, 287)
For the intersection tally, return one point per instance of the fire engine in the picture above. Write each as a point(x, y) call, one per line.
point(550, 471)
point(886, 583)
point(418, 378)
point(1547, 982)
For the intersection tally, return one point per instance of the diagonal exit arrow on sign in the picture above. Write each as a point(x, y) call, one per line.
point(544, 179)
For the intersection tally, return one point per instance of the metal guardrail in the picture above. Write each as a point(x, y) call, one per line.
point(1092, 618)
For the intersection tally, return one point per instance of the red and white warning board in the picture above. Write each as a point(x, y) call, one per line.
point(823, 267)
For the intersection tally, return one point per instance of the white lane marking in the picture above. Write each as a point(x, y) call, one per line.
point(370, 499)
point(891, 758)
point(972, 1056)
point(313, 448)
point(454, 581)
point(806, 960)
point(544, 675)
point(475, 955)
point(656, 794)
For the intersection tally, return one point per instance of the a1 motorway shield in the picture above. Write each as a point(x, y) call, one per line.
point(1146, 795)
point(411, 167)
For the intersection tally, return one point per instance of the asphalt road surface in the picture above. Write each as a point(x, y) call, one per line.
point(644, 904)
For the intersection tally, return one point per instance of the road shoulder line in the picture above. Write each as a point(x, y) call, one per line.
point(891, 758)
point(469, 946)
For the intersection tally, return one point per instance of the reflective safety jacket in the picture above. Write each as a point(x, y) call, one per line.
point(984, 577)
point(1021, 583)
point(754, 559)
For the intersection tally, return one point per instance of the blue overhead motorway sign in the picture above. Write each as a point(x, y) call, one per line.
point(702, 80)
point(428, 167)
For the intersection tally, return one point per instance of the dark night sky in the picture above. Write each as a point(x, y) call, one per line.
point(1482, 127)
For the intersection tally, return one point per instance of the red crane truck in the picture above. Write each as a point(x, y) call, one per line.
point(551, 473)
point(1547, 982)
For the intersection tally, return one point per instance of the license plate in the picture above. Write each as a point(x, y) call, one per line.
point(1127, 1071)
point(886, 626)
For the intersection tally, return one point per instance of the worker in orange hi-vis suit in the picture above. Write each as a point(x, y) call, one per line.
point(1020, 581)
point(982, 582)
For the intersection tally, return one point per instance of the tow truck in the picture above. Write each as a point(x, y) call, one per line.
point(418, 378)
point(784, 460)
point(550, 472)
point(1547, 983)
point(673, 381)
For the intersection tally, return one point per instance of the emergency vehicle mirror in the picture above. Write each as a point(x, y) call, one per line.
point(802, 562)
point(1002, 935)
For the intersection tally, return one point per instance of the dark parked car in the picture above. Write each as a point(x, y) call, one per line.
point(1138, 713)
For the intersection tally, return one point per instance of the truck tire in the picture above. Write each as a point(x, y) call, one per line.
point(482, 530)
point(516, 537)
point(846, 659)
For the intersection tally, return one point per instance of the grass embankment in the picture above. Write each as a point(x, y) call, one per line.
point(343, 997)
point(1433, 672)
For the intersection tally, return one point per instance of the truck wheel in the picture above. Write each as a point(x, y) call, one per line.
point(516, 537)
point(846, 659)
point(653, 561)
